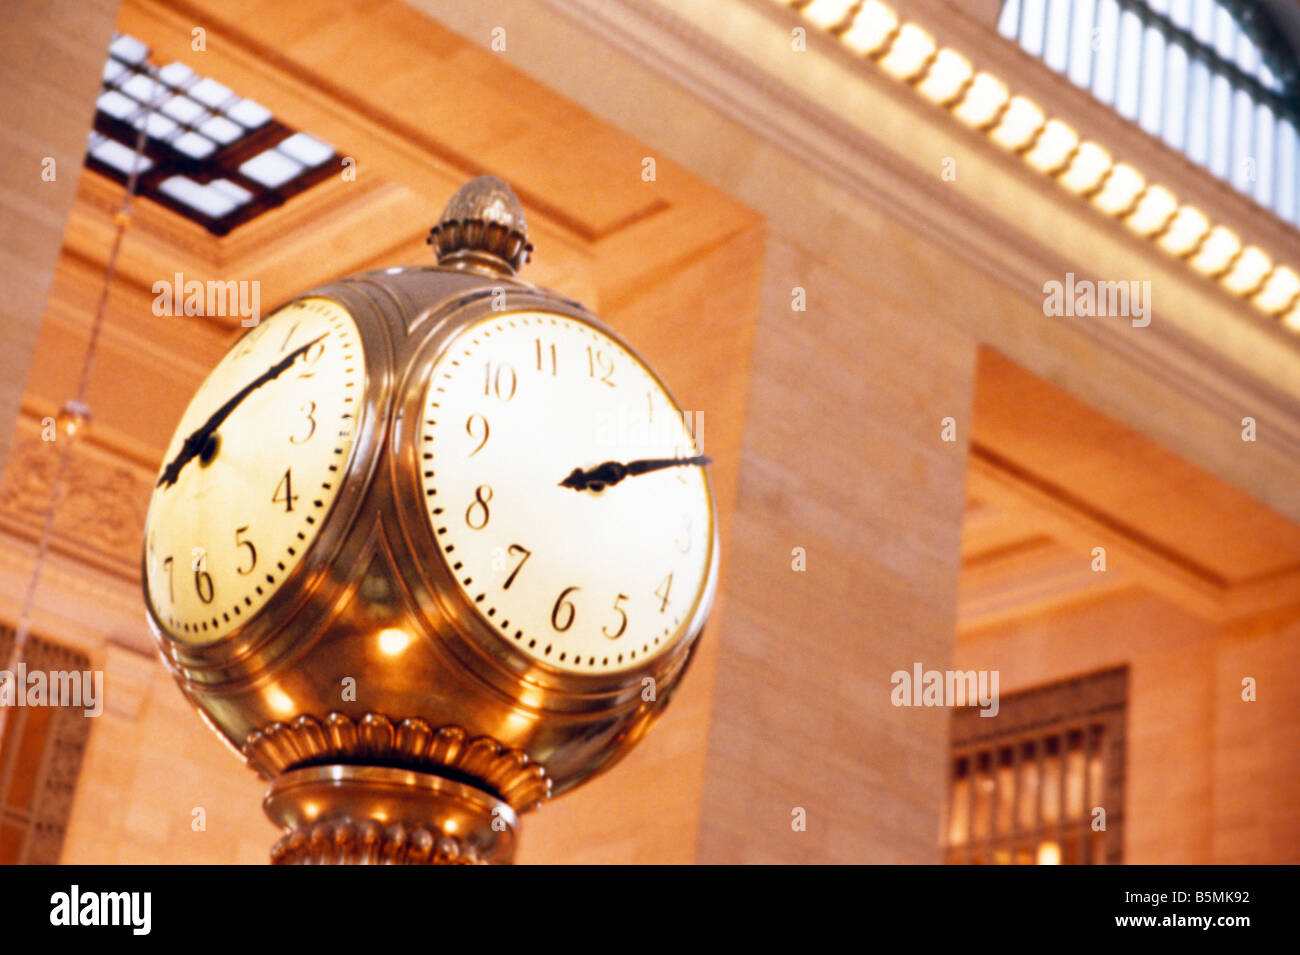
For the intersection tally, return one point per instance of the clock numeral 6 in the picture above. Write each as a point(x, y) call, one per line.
point(482, 494)
point(565, 607)
point(622, 627)
point(252, 551)
point(203, 586)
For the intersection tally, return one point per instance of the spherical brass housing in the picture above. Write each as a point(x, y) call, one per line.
point(375, 566)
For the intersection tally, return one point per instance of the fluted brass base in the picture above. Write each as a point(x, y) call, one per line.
point(357, 815)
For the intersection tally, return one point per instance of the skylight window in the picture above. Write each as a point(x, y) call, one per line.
point(210, 155)
point(1219, 86)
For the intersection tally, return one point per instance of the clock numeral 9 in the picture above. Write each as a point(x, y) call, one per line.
point(502, 383)
point(598, 361)
point(469, 429)
point(252, 551)
point(622, 627)
point(563, 606)
point(482, 494)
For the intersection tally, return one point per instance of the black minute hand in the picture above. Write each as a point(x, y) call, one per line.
point(611, 472)
point(193, 445)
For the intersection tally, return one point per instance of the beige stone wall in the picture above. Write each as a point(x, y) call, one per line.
point(844, 458)
point(149, 764)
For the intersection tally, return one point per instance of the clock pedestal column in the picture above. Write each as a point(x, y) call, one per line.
point(339, 814)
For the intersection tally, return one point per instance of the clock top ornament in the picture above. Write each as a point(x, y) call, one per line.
point(430, 546)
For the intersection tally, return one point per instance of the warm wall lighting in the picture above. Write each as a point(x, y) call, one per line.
point(948, 76)
point(1056, 144)
point(1185, 231)
point(1248, 271)
point(1121, 189)
point(1279, 291)
point(393, 642)
point(1216, 252)
point(1154, 210)
point(1021, 121)
point(872, 28)
point(983, 101)
point(827, 13)
point(1085, 173)
point(909, 54)
point(1049, 853)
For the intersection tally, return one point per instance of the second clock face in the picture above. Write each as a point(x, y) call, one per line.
point(586, 579)
point(251, 473)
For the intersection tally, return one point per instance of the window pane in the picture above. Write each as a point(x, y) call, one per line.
point(1264, 157)
point(1198, 113)
point(1220, 126)
point(1245, 164)
point(981, 824)
point(1174, 125)
point(1006, 790)
point(1130, 52)
point(1103, 77)
point(1085, 12)
point(1009, 19)
point(959, 805)
point(1284, 202)
point(1051, 785)
point(1074, 777)
point(1153, 69)
point(1058, 34)
point(1032, 20)
point(1027, 808)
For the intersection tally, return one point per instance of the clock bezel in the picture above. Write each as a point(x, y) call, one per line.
point(247, 648)
point(474, 639)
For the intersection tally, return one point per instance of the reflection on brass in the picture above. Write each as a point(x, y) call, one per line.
point(509, 773)
point(358, 814)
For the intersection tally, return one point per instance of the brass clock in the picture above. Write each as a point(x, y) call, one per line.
point(430, 545)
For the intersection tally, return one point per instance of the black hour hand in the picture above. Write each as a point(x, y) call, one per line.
point(611, 472)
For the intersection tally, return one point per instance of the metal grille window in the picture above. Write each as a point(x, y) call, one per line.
point(210, 154)
point(40, 760)
point(1213, 78)
point(1025, 785)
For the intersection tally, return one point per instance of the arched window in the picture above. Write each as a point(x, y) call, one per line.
point(1214, 79)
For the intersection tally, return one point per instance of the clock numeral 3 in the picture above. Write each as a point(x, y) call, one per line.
point(482, 494)
point(285, 488)
point(622, 627)
point(565, 607)
point(309, 409)
point(252, 551)
point(683, 543)
point(501, 383)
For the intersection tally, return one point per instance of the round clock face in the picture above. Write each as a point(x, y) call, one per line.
point(556, 474)
point(252, 470)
